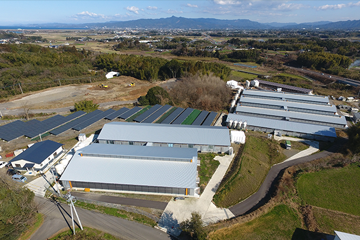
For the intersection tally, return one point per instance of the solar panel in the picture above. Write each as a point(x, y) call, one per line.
point(157, 114)
point(173, 116)
point(93, 120)
point(200, 119)
point(147, 113)
point(12, 130)
point(46, 126)
point(117, 113)
point(183, 116)
point(130, 112)
point(77, 121)
point(208, 121)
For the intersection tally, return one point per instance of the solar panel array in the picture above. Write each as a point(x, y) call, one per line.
point(12, 130)
point(147, 113)
point(157, 114)
point(77, 121)
point(200, 119)
point(183, 116)
point(172, 116)
point(130, 112)
point(117, 114)
point(208, 121)
point(93, 120)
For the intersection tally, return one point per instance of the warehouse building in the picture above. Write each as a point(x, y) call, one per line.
point(284, 87)
point(335, 121)
point(287, 106)
point(283, 127)
point(287, 97)
point(133, 169)
point(203, 138)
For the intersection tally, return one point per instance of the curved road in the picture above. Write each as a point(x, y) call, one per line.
point(264, 193)
point(57, 218)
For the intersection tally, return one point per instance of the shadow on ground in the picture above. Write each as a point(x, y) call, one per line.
point(302, 234)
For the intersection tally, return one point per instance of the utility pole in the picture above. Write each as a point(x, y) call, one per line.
point(90, 79)
point(21, 88)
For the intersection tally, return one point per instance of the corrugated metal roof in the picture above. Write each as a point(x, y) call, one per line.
point(38, 152)
point(164, 133)
point(284, 125)
point(287, 96)
point(347, 236)
point(140, 151)
point(323, 108)
point(132, 172)
point(298, 115)
point(279, 85)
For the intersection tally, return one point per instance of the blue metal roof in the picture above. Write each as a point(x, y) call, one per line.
point(38, 152)
point(284, 125)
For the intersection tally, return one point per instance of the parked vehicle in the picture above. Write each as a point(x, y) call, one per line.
point(288, 144)
point(19, 178)
point(11, 171)
point(2, 164)
point(179, 198)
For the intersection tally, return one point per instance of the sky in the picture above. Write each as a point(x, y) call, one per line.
point(264, 11)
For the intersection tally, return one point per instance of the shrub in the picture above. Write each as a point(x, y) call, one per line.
point(86, 106)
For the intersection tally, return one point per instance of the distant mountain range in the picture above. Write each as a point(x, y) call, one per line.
point(194, 23)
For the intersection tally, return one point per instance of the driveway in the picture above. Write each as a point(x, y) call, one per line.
point(58, 218)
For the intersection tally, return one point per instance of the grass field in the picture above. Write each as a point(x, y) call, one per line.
point(207, 168)
point(336, 189)
point(162, 118)
point(130, 119)
point(293, 76)
point(87, 233)
point(191, 118)
point(280, 223)
point(242, 75)
point(258, 155)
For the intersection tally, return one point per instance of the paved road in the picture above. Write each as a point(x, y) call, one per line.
point(262, 195)
point(57, 218)
point(121, 200)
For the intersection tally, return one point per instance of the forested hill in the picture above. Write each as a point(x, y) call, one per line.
point(354, 24)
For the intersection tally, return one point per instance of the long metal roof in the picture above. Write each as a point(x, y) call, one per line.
point(287, 96)
point(164, 133)
point(323, 108)
point(284, 86)
point(133, 151)
point(132, 172)
point(336, 119)
point(284, 125)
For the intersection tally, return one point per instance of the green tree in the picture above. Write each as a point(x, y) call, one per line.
point(157, 95)
point(194, 227)
point(86, 106)
point(354, 138)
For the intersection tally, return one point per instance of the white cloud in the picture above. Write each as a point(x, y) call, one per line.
point(151, 8)
point(170, 11)
point(86, 14)
point(289, 6)
point(335, 6)
point(227, 2)
point(191, 5)
point(354, 4)
point(133, 9)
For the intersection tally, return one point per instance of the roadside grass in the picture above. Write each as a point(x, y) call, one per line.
point(252, 166)
point(335, 189)
point(130, 119)
point(243, 75)
point(117, 213)
point(87, 233)
point(162, 118)
point(159, 198)
point(328, 221)
point(39, 221)
point(207, 168)
point(296, 145)
point(191, 118)
point(280, 223)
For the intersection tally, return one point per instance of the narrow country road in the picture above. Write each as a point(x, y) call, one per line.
point(262, 195)
point(57, 217)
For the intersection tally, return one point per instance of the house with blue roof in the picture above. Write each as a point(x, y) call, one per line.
point(38, 157)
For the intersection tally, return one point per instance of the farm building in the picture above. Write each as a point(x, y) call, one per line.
point(288, 106)
point(356, 117)
point(287, 97)
point(284, 127)
point(203, 138)
point(345, 236)
point(284, 87)
point(112, 74)
point(133, 169)
point(38, 157)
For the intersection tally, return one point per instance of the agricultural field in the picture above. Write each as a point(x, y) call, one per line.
point(191, 118)
point(242, 75)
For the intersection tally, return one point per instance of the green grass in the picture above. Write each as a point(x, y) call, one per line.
point(130, 119)
point(117, 213)
point(258, 155)
point(293, 76)
point(87, 233)
point(243, 75)
point(191, 118)
point(39, 221)
point(207, 168)
point(42, 136)
point(336, 189)
point(280, 223)
point(162, 118)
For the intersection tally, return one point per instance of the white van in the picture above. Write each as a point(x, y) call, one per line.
point(19, 178)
